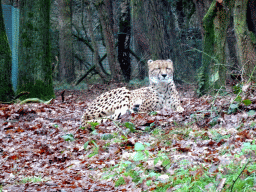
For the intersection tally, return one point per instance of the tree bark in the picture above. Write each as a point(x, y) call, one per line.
point(156, 29)
point(251, 16)
point(6, 90)
point(208, 49)
point(246, 51)
point(201, 8)
point(66, 65)
point(106, 19)
point(141, 41)
point(221, 22)
point(35, 70)
point(231, 42)
point(215, 23)
point(180, 14)
point(124, 37)
point(96, 57)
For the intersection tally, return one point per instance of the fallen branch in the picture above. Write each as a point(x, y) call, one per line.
point(35, 100)
point(85, 75)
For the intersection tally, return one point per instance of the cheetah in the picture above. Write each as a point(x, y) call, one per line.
point(160, 94)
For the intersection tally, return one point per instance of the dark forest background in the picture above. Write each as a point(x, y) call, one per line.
point(96, 41)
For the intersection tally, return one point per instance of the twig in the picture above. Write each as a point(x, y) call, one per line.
point(239, 175)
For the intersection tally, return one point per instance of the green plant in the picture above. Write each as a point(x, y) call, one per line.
point(148, 128)
point(237, 88)
point(95, 149)
point(130, 126)
point(247, 147)
point(31, 179)
point(218, 137)
point(251, 113)
point(153, 113)
point(119, 181)
point(93, 125)
point(141, 153)
point(238, 91)
point(107, 136)
point(68, 137)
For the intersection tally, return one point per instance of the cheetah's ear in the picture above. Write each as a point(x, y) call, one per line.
point(150, 61)
point(169, 60)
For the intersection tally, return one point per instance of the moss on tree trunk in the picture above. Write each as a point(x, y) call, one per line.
point(35, 74)
point(221, 22)
point(213, 71)
point(6, 90)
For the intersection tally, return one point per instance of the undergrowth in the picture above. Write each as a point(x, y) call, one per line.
point(183, 175)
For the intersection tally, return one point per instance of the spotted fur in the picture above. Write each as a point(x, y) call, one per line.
point(160, 94)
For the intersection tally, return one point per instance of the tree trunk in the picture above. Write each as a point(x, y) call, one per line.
point(124, 37)
point(6, 90)
point(215, 23)
point(106, 19)
point(35, 72)
point(221, 22)
point(180, 14)
point(66, 65)
point(208, 49)
point(96, 57)
point(141, 42)
point(201, 8)
point(231, 42)
point(156, 29)
point(251, 16)
point(246, 51)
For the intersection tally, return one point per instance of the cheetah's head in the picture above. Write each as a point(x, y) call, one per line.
point(160, 71)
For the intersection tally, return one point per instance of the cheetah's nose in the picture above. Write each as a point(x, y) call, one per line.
point(164, 75)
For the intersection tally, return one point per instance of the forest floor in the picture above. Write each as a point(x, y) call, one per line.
point(209, 147)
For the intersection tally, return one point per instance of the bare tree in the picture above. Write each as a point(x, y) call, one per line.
point(66, 65)
point(96, 57)
point(105, 12)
